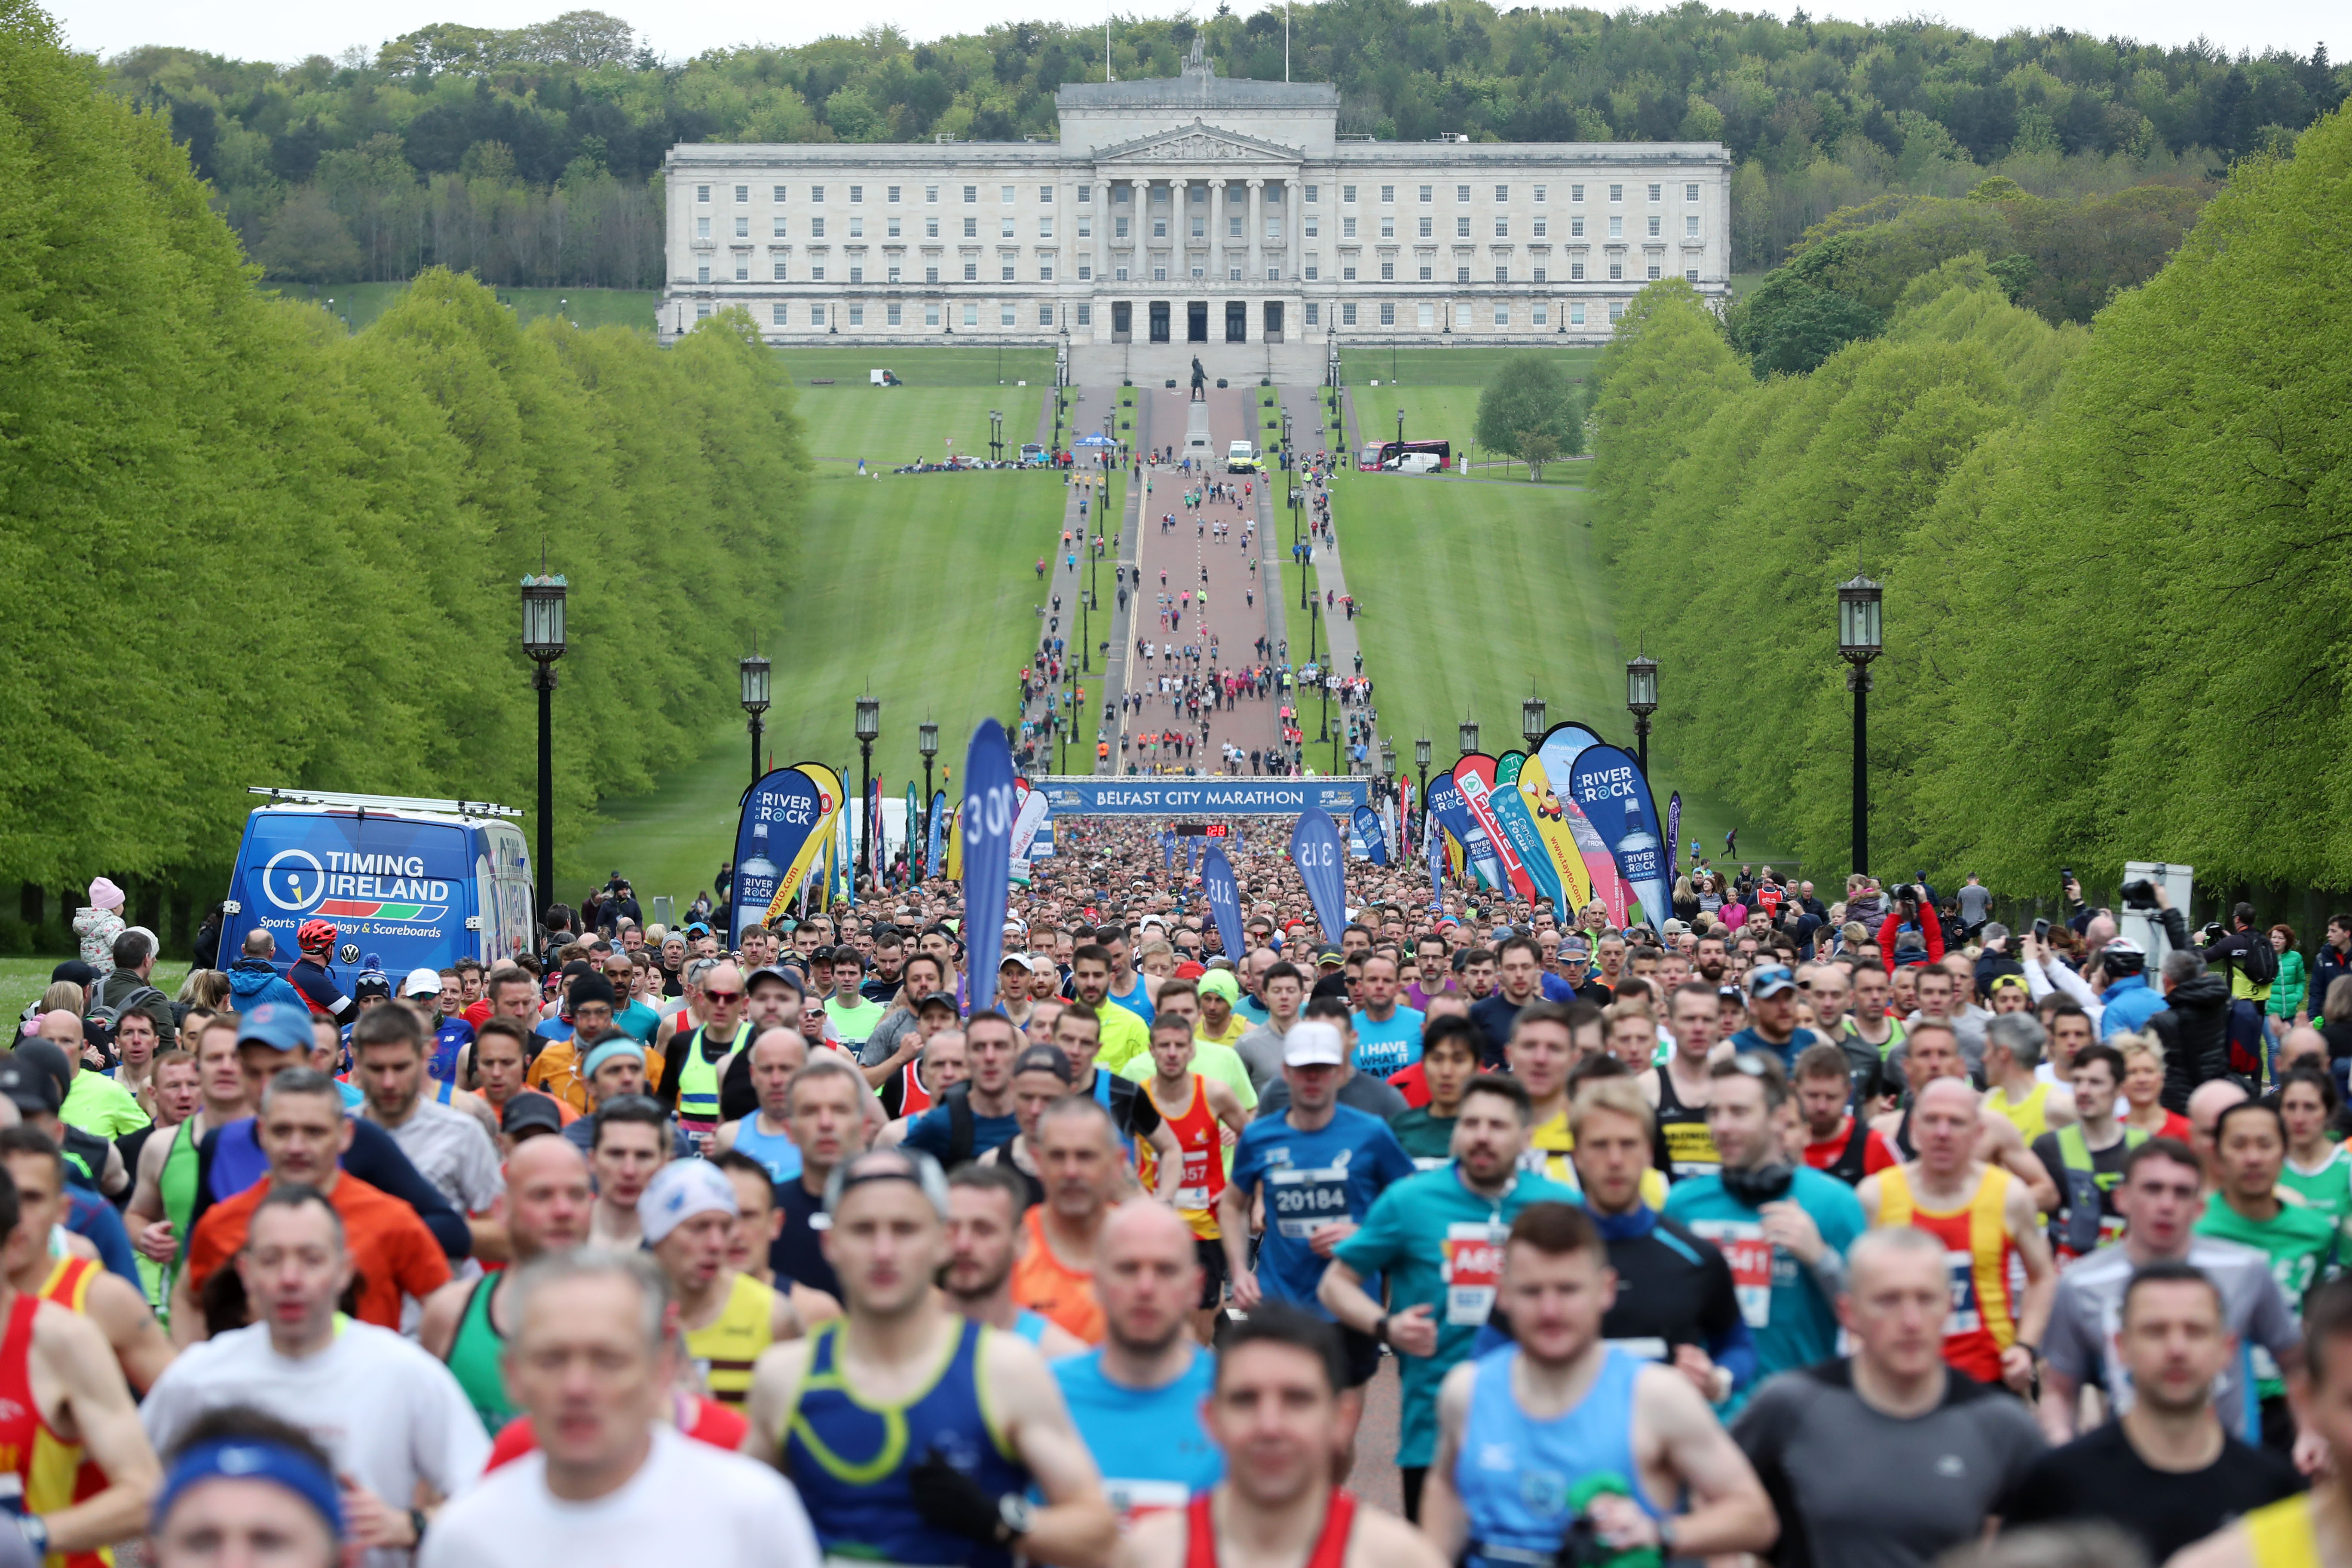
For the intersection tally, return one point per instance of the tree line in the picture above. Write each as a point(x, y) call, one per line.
point(2110, 556)
point(533, 156)
point(243, 548)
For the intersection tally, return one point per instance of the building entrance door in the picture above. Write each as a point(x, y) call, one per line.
point(1273, 320)
point(1237, 322)
point(1196, 321)
point(1122, 321)
point(1160, 320)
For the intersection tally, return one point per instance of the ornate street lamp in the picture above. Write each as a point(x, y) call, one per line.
point(754, 669)
point(542, 640)
point(1642, 700)
point(870, 727)
point(1861, 638)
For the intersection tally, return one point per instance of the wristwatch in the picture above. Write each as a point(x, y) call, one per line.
point(416, 1527)
point(1015, 1517)
point(36, 1533)
point(1380, 1331)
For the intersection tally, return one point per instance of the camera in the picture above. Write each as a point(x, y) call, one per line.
point(2139, 894)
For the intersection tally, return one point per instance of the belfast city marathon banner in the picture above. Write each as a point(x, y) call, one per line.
point(1077, 795)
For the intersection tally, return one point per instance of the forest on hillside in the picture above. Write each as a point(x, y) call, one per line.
point(244, 547)
point(532, 156)
point(2111, 613)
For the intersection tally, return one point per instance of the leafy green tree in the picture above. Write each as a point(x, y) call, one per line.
point(308, 241)
point(1537, 447)
point(1530, 394)
point(1793, 330)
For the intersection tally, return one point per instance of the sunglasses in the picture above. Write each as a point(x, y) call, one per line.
point(722, 997)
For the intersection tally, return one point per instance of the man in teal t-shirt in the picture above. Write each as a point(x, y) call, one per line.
point(1784, 1229)
point(2249, 1152)
point(1388, 1032)
point(1439, 1237)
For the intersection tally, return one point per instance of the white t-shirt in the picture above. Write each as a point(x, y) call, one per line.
point(690, 1504)
point(385, 1410)
point(450, 1149)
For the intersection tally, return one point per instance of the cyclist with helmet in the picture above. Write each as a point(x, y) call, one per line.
point(314, 980)
point(2130, 1001)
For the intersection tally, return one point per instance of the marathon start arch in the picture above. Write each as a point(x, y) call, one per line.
point(1173, 795)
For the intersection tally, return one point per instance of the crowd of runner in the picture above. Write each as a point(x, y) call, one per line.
point(1838, 1233)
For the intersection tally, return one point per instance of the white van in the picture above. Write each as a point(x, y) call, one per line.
point(1415, 463)
point(1241, 458)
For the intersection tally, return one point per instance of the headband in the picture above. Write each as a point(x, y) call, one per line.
point(248, 1460)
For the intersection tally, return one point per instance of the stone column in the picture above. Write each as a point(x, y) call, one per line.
point(1255, 226)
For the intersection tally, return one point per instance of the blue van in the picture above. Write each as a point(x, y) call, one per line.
point(421, 883)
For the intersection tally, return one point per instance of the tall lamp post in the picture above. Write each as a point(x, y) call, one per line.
point(1421, 760)
point(1468, 735)
point(755, 670)
point(1642, 700)
point(1860, 640)
point(869, 727)
point(927, 740)
point(542, 639)
point(1531, 720)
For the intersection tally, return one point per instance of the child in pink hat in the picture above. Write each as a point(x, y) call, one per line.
point(98, 923)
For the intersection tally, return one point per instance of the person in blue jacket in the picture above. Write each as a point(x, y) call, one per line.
point(254, 978)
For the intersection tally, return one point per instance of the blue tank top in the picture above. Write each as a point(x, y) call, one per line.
point(779, 1154)
point(1148, 1441)
point(1031, 1326)
point(849, 1457)
point(1513, 1474)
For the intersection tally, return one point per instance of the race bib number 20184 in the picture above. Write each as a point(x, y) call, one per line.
point(1307, 1200)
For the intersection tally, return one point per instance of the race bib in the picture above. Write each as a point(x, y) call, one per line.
point(1473, 1270)
point(1193, 1194)
point(1306, 1200)
point(1744, 1247)
point(1690, 1150)
point(1132, 1499)
point(1966, 1317)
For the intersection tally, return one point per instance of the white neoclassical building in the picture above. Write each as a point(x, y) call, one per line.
point(1196, 209)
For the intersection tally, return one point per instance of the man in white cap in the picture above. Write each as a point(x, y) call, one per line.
point(687, 1213)
point(1319, 1164)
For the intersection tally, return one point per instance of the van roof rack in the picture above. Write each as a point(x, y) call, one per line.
point(380, 802)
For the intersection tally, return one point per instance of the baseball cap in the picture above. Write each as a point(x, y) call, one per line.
point(1220, 983)
point(1574, 947)
point(2009, 983)
point(937, 1000)
point(530, 1111)
point(770, 971)
point(1044, 1059)
point(1771, 982)
point(422, 982)
point(1329, 956)
point(1312, 1045)
point(280, 1025)
point(30, 1088)
point(683, 1189)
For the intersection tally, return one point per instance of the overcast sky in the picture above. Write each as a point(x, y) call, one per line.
point(289, 30)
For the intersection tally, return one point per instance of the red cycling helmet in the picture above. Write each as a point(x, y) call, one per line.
point(315, 933)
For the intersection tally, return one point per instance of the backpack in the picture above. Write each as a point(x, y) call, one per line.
point(2260, 961)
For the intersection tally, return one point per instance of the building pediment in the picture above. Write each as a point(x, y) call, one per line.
point(1198, 142)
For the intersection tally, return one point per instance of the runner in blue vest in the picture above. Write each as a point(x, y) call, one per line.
point(1565, 1428)
point(913, 1433)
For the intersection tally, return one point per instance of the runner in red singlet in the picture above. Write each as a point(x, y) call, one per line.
point(61, 1396)
point(1280, 1413)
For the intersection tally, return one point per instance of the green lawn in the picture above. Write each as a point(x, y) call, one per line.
point(22, 981)
point(918, 589)
point(888, 426)
point(362, 303)
point(961, 364)
point(1470, 595)
point(1365, 363)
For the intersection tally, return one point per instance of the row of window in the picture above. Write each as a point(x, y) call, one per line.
point(1651, 272)
point(1426, 317)
point(1008, 195)
point(781, 229)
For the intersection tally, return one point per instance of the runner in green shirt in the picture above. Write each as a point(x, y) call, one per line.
point(1438, 1237)
point(2250, 1148)
point(2318, 1169)
point(1449, 1059)
point(847, 1010)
